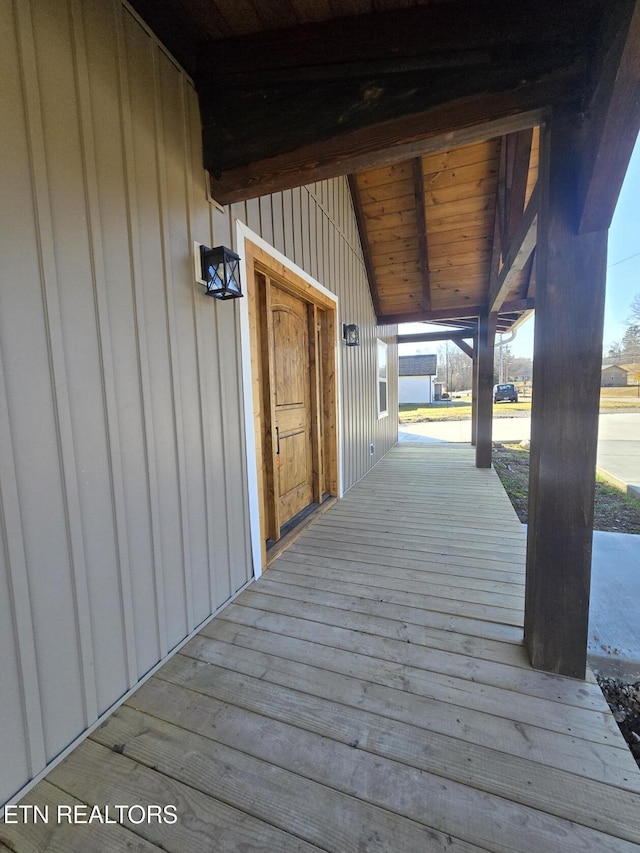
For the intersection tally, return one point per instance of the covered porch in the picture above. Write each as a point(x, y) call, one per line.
point(370, 691)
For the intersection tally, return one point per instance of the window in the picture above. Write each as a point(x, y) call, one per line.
point(383, 400)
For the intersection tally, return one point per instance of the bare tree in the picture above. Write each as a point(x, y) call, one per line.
point(634, 317)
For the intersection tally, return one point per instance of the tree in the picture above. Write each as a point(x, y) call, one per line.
point(634, 317)
point(615, 352)
point(454, 367)
point(631, 343)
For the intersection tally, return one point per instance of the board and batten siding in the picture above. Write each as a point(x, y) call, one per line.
point(315, 227)
point(124, 518)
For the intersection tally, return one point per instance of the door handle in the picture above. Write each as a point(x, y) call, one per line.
point(277, 442)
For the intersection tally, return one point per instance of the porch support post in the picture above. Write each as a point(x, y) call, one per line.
point(474, 393)
point(484, 405)
point(564, 417)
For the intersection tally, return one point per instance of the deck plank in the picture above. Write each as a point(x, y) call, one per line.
point(227, 694)
point(369, 693)
point(609, 761)
point(587, 724)
point(307, 809)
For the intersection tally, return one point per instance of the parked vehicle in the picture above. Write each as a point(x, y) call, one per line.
point(505, 393)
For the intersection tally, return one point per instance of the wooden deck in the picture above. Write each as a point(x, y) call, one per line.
point(369, 693)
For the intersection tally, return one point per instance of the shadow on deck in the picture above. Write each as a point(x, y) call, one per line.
point(369, 693)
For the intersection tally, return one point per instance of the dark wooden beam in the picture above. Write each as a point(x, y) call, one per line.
point(499, 244)
point(571, 270)
point(462, 312)
point(364, 242)
point(612, 122)
point(484, 406)
point(522, 245)
point(426, 337)
point(518, 157)
point(464, 346)
point(421, 217)
point(451, 125)
point(445, 34)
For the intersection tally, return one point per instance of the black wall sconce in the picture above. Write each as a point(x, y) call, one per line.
point(351, 334)
point(221, 272)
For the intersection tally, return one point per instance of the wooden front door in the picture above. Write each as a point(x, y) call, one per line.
point(293, 333)
point(291, 401)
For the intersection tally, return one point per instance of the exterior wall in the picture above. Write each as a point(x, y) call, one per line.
point(315, 227)
point(123, 482)
point(415, 389)
point(614, 377)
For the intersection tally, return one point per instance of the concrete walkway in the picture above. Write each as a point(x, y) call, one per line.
point(614, 624)
point(618, 442)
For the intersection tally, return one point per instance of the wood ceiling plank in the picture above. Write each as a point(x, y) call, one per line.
point(364, 241)
point(391, 233)
point(440, 225)
point(400, 268)
point(310, 11)
point(400, 218)
point(396, 249)
point(401, 256)
point(384, 192)
point(464, 155)
point(240, 15)
point(455, 248)
point(379, 209)
point(461, 175)
point(410, 281)
point(385, 175)
point(477, 235)
point(454, 260)
point(461, 206)
point(420, 207)
point(460, 192)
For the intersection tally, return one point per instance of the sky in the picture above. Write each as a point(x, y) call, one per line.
point(623, 270)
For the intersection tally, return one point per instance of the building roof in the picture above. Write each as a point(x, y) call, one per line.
point(418, 365)
point(627, 368)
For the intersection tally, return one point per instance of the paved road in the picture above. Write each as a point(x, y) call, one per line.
point(618, 443)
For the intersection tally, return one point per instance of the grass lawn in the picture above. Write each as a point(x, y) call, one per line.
point(614, 510)
point(460, 410)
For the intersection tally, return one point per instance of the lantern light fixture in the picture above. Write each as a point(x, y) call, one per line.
point(351, 334)
point(220, 272)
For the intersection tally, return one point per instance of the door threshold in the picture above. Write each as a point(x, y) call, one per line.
point(276, 548)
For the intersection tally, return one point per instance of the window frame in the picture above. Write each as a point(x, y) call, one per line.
point(382, 377)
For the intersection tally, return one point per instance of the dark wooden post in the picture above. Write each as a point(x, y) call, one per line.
point(564, 418)
point(474, 393)
point(484, 403)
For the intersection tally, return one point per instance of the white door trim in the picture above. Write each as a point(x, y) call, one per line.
point(244, 233)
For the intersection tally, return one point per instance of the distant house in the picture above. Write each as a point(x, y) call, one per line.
point(416, 375)
point(614, 376)
point(619, 375)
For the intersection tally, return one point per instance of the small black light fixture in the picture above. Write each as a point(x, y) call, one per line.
point(221, 272)
point(351, 334)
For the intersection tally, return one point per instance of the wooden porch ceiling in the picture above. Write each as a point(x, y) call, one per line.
point(433, 109)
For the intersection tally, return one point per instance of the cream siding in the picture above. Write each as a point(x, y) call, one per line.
point(123, 484)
